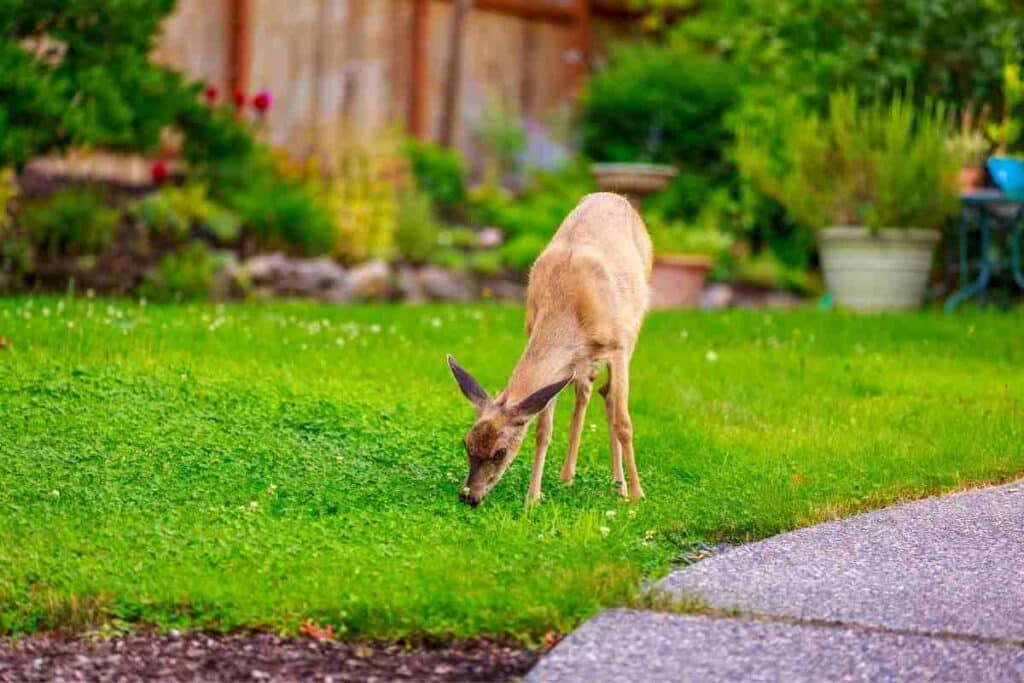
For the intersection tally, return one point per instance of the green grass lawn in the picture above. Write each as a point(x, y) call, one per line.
point(252, 465)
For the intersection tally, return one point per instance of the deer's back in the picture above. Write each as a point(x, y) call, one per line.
point(595, 271)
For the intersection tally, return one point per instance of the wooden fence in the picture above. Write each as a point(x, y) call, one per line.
point(344, 67)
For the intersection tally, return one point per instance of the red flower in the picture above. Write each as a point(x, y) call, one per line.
point(159, 171)
point(210, 93)
point(239, 99)
point(262, 100)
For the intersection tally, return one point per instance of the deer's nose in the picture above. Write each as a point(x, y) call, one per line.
point(468, 498)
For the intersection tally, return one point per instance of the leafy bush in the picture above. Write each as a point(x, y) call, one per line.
point(502, 138)
point(71, 222)
point(439, 172)
point(417, 230)
point(531, 219)
point(880, 165)
point(680, 238)
point(659, 104)
point(183, 275)
point(173, 211)
point(948, 49)
point(287, 216)
point(363, 198)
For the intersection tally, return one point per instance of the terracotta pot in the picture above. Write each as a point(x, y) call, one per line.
point(883, 271)
point(970, 178)
point(677, 280)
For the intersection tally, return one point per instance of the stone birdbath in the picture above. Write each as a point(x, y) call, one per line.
point(634, 181)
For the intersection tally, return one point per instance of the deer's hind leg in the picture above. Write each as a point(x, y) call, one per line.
point(584, 386)
point(618, 479)
point(623, 424)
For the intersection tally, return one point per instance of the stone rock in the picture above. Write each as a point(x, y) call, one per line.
point(279, 275)
point(503, 290)
point(716, 296)
point(408, 286)
point(370, 281)
point(489, 237)
point(439, 284)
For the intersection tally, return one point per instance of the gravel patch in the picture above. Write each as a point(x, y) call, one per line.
point(255, 657)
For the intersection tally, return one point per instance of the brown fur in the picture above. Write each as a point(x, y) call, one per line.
point(585, 305)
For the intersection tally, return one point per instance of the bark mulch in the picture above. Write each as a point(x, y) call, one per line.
point(255, 657)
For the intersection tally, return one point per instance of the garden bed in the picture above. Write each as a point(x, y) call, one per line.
point(256, 656)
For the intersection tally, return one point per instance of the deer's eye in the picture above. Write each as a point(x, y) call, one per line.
point(499, 454)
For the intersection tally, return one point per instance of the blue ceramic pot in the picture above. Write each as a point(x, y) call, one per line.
point(1007, 173)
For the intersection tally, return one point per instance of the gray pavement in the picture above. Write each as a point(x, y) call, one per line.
point(627, 646)
point(930, 590)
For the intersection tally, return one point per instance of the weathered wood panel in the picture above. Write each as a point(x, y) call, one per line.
point(337, 66)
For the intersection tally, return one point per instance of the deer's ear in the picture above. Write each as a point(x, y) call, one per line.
point(535, 402)
point(471, 389)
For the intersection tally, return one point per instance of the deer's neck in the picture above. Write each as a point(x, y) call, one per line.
point(551, 354)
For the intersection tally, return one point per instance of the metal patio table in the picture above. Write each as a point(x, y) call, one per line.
point(986, 215)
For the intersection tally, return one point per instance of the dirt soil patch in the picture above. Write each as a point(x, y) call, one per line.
point(256, 656)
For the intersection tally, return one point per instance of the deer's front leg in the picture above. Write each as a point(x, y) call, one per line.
point(583, 388)
point(544, 422)
point(623, 426)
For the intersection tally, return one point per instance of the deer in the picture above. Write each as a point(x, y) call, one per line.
point(586, 300)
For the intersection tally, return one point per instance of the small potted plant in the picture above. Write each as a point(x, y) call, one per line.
point(876, 180)
point(1008, 171)
point(970, 146)
point(683, 257)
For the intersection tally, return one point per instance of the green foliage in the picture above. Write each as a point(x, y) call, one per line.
point(531, 219)
point(416, 231)
point(183, 275)
point(77, 73)
point(880, 164)
point(173, 211)
point(520, 252)
point(73, 222)
point(503, 140)
point(331, 471)
point(946, 49)
point(486, 261)
point(286, 215)
point(768, 271)
point(679, 238)
point(1005, 132)
point(661, 104)
point(439, 172)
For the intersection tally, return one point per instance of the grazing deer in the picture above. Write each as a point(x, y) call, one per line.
point(585, 304)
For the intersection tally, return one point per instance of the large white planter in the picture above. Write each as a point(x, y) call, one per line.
point(882, 271)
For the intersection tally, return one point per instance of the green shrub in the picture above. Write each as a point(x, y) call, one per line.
point(486, 262)
point(458, 237)
point(173, 211)
point(502, 138)
point(286, 215)
point(520, 252)
point(71, 222)
point(450, 258)
point(183, 275)
point(439, 172)
point(880, 164)
point(546, 201)
point(416, 230)
point(660, 104)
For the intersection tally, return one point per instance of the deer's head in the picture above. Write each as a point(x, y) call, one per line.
point(495, 437)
